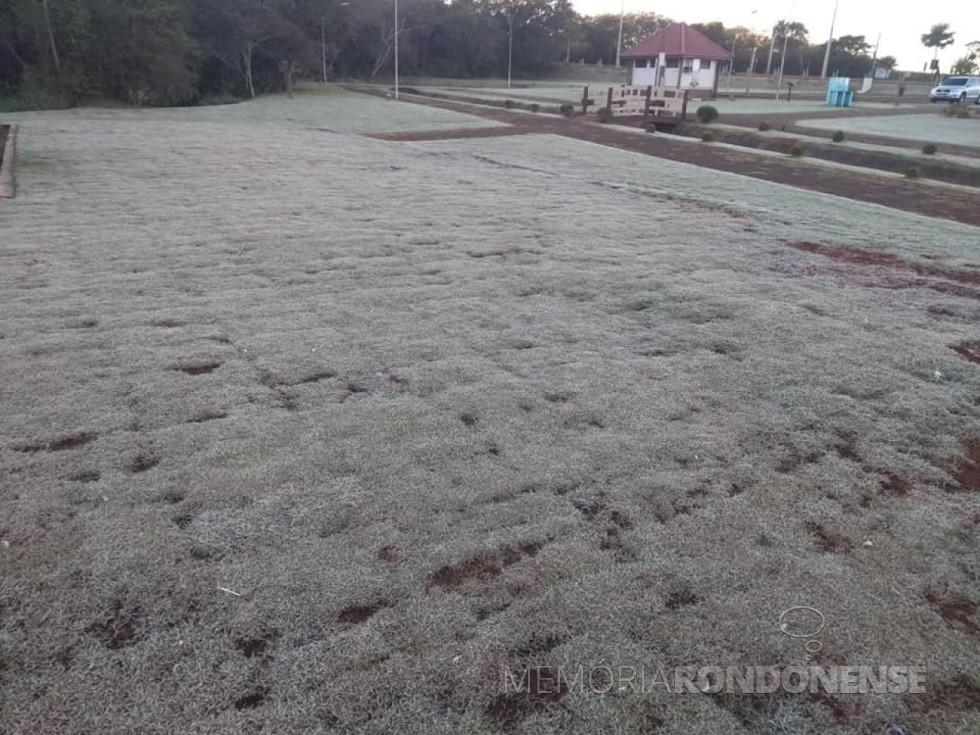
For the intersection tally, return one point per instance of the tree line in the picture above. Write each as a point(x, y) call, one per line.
point(175, 52)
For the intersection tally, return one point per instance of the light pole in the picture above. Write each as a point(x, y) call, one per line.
point(782, 60)
point(731, 66)
point(396, 49)
point(830, 41)
point(772, 47)
point(619, 42)
point(510, 45)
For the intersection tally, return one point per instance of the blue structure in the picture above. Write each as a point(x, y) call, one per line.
point(839, 92)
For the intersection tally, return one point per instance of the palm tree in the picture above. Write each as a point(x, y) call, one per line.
point(938, 37)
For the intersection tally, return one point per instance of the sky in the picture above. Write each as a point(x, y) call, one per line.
point(900, 24)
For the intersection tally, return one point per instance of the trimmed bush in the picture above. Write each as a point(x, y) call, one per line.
point(707, 137)
point(510, 104)
point(796, 151)
point(605, 115)
point(764, 126)
point(957, 110)
point(912, 172)
point(838, 136)
point(651, 127)
point(534, 107)
point(930, 149)
point(707, 114)
point(567, 109)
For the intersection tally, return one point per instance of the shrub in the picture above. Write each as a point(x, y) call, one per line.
point(764, 126)
point(707, 114)
point(707, 137)
point(605, 115)
point(510, 104)
point(651, 127)
point(957, 110)
point(567, 109)
point(912, 172)
point(930, 149)
point(796, 151)
point(838, 136)
point(534, 107)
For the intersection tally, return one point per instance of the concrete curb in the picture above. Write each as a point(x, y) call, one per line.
point(7, 168)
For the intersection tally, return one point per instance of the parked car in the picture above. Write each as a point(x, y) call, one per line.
point(957, 89)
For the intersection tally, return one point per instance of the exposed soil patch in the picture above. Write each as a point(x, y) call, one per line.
point(253, 700)
point(389, 554)
point(968, 350)
point(452, 134)
point(198, 367)
point(860, 256)
point(208, 416)
point(481, 567)
point(251, 647)
point(956, 610)
point(967, 469)
point(86, 476)
point(143, 460)
point(121, 628)
point(956, 695)
point(358, 614)
point(539, 687)
point(71, 441)
point(311, 378)
point(681, 596)
point(828, 540)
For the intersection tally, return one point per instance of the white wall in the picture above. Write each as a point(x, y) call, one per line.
point(700, 77)
point(644, 77)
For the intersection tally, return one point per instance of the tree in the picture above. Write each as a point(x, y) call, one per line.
point(970, 62)
point(888, 63)
point(938, 37)
point(600, 34)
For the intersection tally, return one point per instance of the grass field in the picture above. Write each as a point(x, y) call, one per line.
point(305, 431)
point(936, 128)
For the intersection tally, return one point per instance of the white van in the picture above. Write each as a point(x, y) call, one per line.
point(957, 89)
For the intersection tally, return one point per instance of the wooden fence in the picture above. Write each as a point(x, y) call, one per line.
point(650, 103)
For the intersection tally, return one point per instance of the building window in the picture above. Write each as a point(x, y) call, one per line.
point(705, 63)
point(673, 63)
point(688, 68)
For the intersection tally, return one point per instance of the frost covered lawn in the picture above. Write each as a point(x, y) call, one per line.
point(308, 431)
point(936, 128)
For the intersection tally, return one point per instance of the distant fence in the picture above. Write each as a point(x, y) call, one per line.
point(650, 103)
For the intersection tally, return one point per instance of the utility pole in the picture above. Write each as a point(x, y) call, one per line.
point(619, 43)
point(782, 59)
point(830, 42)
point(510, 44)
point(748, 81)
point(731, 67)
point(397, 33)
point(772, 46)
point(874, 59)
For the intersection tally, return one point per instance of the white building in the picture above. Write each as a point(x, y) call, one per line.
point(677, 57)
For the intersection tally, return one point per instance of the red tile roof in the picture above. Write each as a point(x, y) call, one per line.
point(677, 39)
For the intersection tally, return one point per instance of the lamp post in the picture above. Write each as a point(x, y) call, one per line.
point(619, 42)
point(830, 42)
point(510, 44)
point(782, 60)
point(396, 49)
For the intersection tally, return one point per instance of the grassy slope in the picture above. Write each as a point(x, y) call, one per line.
point(936, 128)
point(433, 409)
